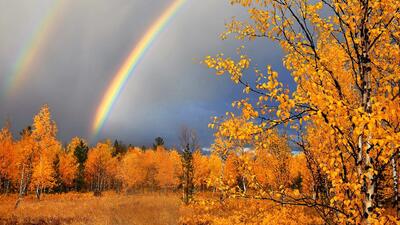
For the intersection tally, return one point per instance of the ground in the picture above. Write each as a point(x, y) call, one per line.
point(73, 208)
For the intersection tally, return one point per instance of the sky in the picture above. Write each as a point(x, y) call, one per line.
point(80, 45)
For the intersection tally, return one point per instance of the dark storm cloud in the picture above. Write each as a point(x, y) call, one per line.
point(89, 42)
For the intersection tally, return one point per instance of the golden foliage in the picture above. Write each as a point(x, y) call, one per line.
point(344, 58)
point(233, 211)
point(68, 167)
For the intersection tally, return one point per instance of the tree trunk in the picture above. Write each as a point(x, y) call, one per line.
point(369, 180)
point(244, 185)
point(396, 203)
point(7, 187)
point(21, 188)
point(37, 193)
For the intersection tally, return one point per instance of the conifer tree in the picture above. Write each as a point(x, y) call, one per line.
point(189, 144)
point(80, 150)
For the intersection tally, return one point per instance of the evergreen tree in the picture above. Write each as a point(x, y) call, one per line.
point(119, 148)
point(189, 144)
point(159, 141)
point(81, 154)
point(188, 172)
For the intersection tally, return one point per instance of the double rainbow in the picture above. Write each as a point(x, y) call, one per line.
point(126, 70)
point(30, 51)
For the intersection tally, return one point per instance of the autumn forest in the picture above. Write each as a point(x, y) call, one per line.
point(325, 150)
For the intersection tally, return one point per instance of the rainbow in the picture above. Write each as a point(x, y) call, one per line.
point(126, 70)
point(31, 49)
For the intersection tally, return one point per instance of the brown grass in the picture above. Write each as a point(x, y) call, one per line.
point(73, 208)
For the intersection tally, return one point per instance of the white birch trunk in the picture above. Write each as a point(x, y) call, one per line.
point(395, 185)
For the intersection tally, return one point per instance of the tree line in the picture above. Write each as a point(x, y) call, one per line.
point(38, 163)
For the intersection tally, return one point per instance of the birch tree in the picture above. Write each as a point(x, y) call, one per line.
point(98, 166)
point(344, 58)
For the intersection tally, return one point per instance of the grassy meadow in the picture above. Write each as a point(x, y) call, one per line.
point(74, 208)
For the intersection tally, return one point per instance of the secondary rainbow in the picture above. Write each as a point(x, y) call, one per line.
point(126, 70)
point(30, 51)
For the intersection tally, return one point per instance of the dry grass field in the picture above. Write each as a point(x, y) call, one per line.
point(73, 208)
point(149, 209)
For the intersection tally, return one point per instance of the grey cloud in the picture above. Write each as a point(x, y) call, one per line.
point(86, 47)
